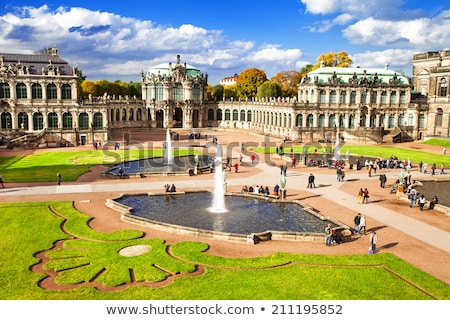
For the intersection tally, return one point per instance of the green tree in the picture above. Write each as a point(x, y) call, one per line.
point(230, 91)
point(334, 59)
point(88, 87)
point(248, 82)
point(305, 70)
point(269, 89)
point(102, 87)
point(217, 92)
point(288, 81)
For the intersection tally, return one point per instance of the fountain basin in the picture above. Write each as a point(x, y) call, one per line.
point(249, 219)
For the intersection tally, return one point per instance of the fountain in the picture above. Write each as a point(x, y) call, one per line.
point(337, 147)
point(168, 156)
point(218, 204)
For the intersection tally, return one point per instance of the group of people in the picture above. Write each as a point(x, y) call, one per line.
point(363, 195)
point(257, 190)
point(423, 168)
point(421, 201)
point(170, 188)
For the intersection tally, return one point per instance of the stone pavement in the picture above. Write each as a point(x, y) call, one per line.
point(269, 175)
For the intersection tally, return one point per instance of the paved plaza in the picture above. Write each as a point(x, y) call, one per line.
point(421, 238)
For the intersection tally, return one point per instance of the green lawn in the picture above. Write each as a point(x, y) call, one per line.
point(84, 259)
point(40, 237)
point(43, 166)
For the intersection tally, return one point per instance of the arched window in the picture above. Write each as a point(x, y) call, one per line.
point(391, 123)
point(52, 91)
point(333, 96)
point(321, 120)
point(342, 97)
point(98, 120)
point(322, 96)
point(6, 120)
point(196, 92)
point(401, 120)
point(52, 120)
point(219, 114)
point(373, 121)
point(22, 120)
point(421, 120)
point(242, 115)
point(235, 115)
point(310, 121)
point(353, 97)
point(36, 91)
point(227, 114)
point(332, 120)
point(38, 121)
point(249, 116)
point(393, 97)
point(131, 116)
point(159, 91)
point(117, 115)
point(384, 97)
point(351, 121)
point(210, 114)
point(83, 121)
point(111, 115)
point(439, 116)
point(139, 114)
point(342, 121)
point(67, 120)
point(443, 87)
point(4, 91)
point(124, 114)
point(178, 92)
point(363, 97)
point(402, 97)
point(299, 120)
point(410, 119)
point(21, 91)
point(66, 92)
point(373, 97)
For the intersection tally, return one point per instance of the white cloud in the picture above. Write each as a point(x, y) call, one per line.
point(397, 59)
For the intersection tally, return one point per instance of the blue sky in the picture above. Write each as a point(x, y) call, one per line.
point(116, 40)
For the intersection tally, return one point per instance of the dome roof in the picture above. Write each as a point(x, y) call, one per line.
point(164, 69)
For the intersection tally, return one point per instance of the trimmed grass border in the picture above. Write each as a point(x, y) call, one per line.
point(87, 265)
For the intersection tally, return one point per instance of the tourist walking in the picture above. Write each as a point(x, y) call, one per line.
point(360, 196)
point(425, 168)
point(421, 202)
point(362, 224)
point(412, 196)
point(356, 224)
point(373, 241)
point(328, 235)
point(433, 169)
point(2, 182)
point(366, 195)
point(442, 168)
point(382, 180)
point(311, 183)
point(58, 178)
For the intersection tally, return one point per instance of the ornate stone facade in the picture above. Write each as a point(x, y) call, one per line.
point(39, 96)
point(174, 95)
point(431, 77)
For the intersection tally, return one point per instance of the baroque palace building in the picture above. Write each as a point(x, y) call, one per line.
point(40, 104)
